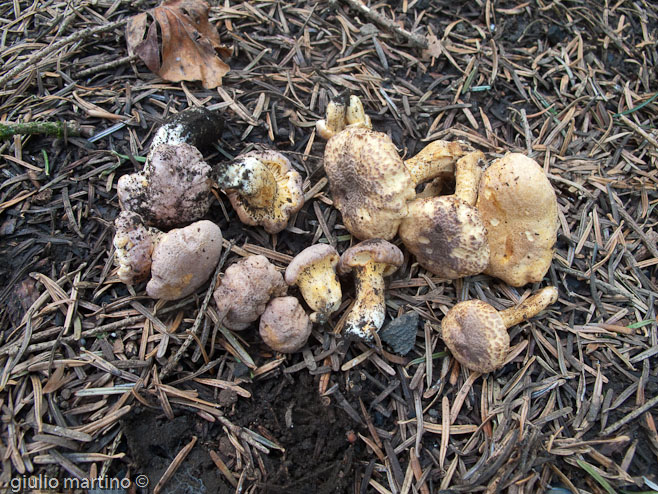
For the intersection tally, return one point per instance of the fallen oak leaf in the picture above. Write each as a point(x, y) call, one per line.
point(190, 46)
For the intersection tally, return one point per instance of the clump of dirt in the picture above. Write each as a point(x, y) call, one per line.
point(318, 458)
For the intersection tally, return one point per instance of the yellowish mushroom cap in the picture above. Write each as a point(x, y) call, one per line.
point(518, 207)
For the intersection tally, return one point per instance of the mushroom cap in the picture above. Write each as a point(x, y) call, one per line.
point(518, 207)
point(447, 236)
point(245, 289)
point(284, 326)
point(184, 259)
point(174, 187)
point(134, 245)
point(308, 258)
point(196, 126)
point(369, 182)
point(375, 250)
point(314, 271)
point(476, 335)
point(288, 198)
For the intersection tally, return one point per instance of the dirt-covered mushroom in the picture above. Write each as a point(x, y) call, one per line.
point(284, 326)
point(174, 188)
point(183, 259)
point(371, 260)
point(476, 333)
point(370, 184)
point(518, 207)
point(445, 233)
point(134, 245)
point(195, 126)
point(313, 270)
point(341, 114)
point(263, 188)
point(245, 289)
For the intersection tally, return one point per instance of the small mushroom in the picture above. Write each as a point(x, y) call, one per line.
point(245, 289)
point(371, 260)
point(284, 326)
point(339, 115)
point(183, 259)
point(446, 233)
point(313, 270)
point(174, 187)
point(263, 188)
point(518, 207)
point(476, 333)
point(370, 184)
point(134, 245)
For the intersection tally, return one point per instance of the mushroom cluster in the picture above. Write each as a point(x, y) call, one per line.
point(500, 220)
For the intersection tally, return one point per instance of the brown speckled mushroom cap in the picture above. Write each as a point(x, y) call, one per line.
point(134, 245)
point(174, 188)
point(371, 251)
point(369, 182)
point(184, 259)
point(313, 270)
point(518, 207)
point(476, 335)
point(245, 289)
point(284, 326)
point(447, 236)
point(285, 196)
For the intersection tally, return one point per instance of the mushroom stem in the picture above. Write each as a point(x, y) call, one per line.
point(436, 158)
point(369, 310)
point(467, 177)
point(251, 179)
point(334, 120)
point(529, 307)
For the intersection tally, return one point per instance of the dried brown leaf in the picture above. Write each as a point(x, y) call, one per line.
point(188, 46)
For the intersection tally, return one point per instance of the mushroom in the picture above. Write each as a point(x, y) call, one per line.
point(446, 233)
point(313, 270)
point(476, 333)
point(339, 115)
point(183, 259)
point(284, 326)
point(245, 289)
point(371, 261)
point(134, 245)
point(369, 182)
point(195, 126)
point(518, 207)
point(263, 188)
point(174, 187)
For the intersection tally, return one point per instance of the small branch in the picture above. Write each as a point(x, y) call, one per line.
point(104, 66)
point(415, 39)
point(58, 129)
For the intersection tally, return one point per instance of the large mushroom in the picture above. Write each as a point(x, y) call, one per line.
point(183, 260)
point(371, 260)
point(370, 184)
point(518, 207)
point(174, 187)
point(245, 289)
point(313, 270)
point(476, 333)
point(263, 188)
point(284, 326)
point(446, 233)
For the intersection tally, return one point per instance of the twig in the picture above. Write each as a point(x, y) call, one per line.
point(414, 39)
point(171, 363)
point(633, 415)
point(77, 36)
point(104, 66)
point(57, 129)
